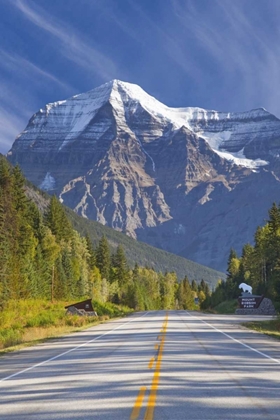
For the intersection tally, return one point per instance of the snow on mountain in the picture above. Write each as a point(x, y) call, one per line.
point(48, 183)
point(192, 181)
point(226, 133)
point(216, 140)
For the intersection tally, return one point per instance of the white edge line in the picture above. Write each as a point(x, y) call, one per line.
point(68, 351)
point(234, 339)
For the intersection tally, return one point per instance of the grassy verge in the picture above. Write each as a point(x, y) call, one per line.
point(269, 327)
point(224, 308)
point(26, 322)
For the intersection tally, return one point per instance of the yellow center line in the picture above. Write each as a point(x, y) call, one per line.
point(151, 363)
point(138, 403)
point(149, 415)
point(156, 346)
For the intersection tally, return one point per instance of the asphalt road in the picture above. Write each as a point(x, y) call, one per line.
point(152, 365)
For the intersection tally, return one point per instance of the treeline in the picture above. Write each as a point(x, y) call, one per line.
point(258, 266)
point(43, 257)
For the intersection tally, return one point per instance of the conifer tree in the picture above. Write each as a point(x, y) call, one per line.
point(92, 256)
point(274, 218)
point(57, 221)
point(194, 286)
point(185, 295)
point(18, 183)
point(103, 260)
point(168, 290)
point(119, 262)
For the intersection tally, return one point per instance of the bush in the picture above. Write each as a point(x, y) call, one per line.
point(227, 307)
point(79, 321)
point(44, 319)
point(28, 320)
point(110, 309)
point(10, 337)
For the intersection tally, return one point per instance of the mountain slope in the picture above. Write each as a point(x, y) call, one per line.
point(144, 254)
point(136, 252)
point(190, 181)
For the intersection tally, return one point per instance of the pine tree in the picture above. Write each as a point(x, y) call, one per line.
point(20, 199)
point(274, 218)
point(119, 262)
point(57, 221)
point(194, 286)
point(185, 295)
point(168, 289)
point(103, 260)
point(232, 256)
point(92, 256)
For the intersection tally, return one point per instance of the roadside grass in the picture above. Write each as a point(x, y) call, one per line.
point(269, 327)
point(25, 322)
point(226, 307)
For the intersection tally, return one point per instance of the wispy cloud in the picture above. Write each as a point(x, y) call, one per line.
point(18, 102)
point(26, 69)
point(157, 40)
point(168, 42)
point(15, 111)
point(11, 124)
point(238, 45)
point(71, 44)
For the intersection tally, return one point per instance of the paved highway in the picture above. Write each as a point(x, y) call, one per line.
point(151, 365)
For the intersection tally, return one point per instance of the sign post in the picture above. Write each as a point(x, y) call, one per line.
point(250, 304)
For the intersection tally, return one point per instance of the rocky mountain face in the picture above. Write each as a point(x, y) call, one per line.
point(191, 181)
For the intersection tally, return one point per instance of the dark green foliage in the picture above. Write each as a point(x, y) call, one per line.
point(92, 256)
point(274, 219)
point(57, 220)
point(194, 286)
point(120, 274)
point(143, 254)
point(103, 260)
point(185, 295)
point(43, 257)
point(258, 266)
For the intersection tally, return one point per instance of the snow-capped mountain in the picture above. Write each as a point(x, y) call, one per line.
point(192, 181)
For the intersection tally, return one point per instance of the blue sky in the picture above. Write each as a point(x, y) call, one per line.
point(215, 54)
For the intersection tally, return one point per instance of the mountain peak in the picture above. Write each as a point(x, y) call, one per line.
point(178, 178)
point(224, 131)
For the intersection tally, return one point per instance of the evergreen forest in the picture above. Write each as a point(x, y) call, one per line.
point(43, 257)
point(258, 265)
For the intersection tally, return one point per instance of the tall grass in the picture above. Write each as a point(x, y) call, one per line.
point(269, 327)
point(110, 309)
point(227, 307)
point(10, 337)
point(30, 320)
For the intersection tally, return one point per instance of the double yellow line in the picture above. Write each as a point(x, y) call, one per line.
point(149, 414)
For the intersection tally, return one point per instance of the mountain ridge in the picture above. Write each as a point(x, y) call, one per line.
point(136, 251)
point(117, 155)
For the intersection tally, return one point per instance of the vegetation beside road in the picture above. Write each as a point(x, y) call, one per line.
point(44, 260)
point(269, 327)
point(24, 322)
point(226, 307)
point(143, 254)
point(43, 257)
point(258, 266)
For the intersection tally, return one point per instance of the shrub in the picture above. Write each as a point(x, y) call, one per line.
point(110, 309)
point(44, 319)
point(79, 321)
point(10, 337)
point(227, 307)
